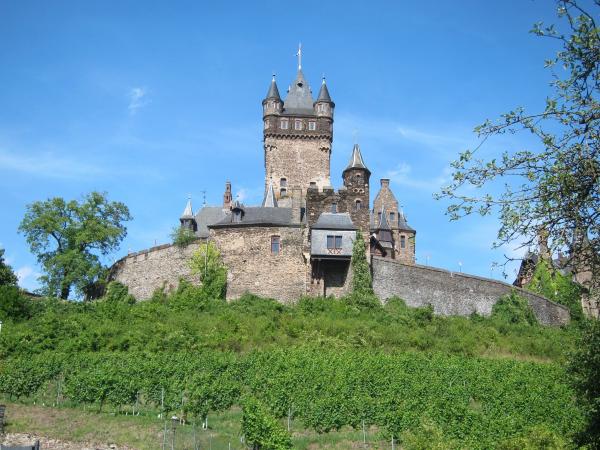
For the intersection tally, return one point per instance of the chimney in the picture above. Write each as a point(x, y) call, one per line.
point(227, 196)
point(385, 183)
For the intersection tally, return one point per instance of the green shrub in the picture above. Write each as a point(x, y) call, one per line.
point(361, 273)
point(261, 429)
point(7, 276)
point(118, 293)
point(13, 304)
point(536, 438)
point(513, 309)
point(206, 263)
point(182, 237)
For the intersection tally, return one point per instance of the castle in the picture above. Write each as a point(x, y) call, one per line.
point(304, 230)
point(299, 241)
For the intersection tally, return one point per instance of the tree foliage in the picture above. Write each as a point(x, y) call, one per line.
point(70, 237)
point(7, 276)
point(556, 186)
point(585, 371)
point(362, 284)
point(182, 237)
point(557, 287)
point(207, 264)
point(513, 308)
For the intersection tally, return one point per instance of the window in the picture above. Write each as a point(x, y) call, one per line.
point(334, 207)
point(297, 124)
point(275, 245)
point(284, 124)
point(312, 126)
point(282, 192)
point(266, 124)
point(283, 182)
point(379, 217)
point(392, 217)
point(357, 205)
point(313, 184)
point(402, 241)
point(334, 242)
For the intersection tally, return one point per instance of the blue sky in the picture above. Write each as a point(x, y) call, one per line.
point(151, 101)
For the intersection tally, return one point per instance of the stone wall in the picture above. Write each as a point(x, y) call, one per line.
point(251, 267)
point(157, 267)
point(452, 293)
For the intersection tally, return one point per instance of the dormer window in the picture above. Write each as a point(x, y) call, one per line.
point(284, 124)
point(297, 124)
point(312, 125)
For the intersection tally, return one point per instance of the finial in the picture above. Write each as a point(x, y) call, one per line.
point(273, 76)
point(299, 55)
point(189, 196)
point(323, 78)
point(355, 136)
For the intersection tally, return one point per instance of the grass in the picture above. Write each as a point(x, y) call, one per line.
point(145, 432)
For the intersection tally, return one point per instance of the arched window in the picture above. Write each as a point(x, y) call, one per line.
point(357, 205)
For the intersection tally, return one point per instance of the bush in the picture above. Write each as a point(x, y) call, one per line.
point(118, 293)
point(13, 304)
point(261, 429)
point(206, 263)
point(361, 273)
point(182, 237)
point(513, 309)
point(535, 438)
point(7, 276)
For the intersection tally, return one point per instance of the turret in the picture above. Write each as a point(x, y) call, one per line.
point(227, 196)
point(356, 180)
point(272, 104)
point(324, 106)
point(187, 218)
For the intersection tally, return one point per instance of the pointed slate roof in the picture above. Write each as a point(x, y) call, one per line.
point(299, 98)
point(356, 160)
point(273, 91)
point(324, 93)
point(187, 212)
point(270, 201)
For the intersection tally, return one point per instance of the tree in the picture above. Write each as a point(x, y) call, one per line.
point(69, 239)
point(182, 237)
point(361, 274)
point(7, 276)
point(207, 264)
point(556, 187)
point(584, 368)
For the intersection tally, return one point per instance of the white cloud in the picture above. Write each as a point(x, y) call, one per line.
point(27, 275)
point(402, 175)
point(138, 98)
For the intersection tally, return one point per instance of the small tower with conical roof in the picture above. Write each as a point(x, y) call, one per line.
point(298, 133)
point(187, 218)
point(383, 236)
point(356, 178)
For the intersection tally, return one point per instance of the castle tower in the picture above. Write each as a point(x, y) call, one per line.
point(187, 218)
point(403, 235)
point(384, 236)
point(298, 133)
point(356, 181)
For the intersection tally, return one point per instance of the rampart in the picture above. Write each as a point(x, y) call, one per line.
point(451, 293)
point(154, 268)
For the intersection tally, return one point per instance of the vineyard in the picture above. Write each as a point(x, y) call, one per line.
point(324, 365)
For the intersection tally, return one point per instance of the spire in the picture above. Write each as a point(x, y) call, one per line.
point(270, 201)
point(299, 98)
point(273, 91)
point(356, 161)
point(187, 212)
point(324, 93)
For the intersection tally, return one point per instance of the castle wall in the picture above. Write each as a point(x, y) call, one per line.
point(251, 267)
point(453, 293)
point(157, 267)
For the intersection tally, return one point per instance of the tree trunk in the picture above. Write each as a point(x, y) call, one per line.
point(65, 289)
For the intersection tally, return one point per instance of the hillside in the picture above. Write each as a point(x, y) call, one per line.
point(329, 365)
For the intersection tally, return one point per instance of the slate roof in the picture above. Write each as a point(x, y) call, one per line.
point(324, 93)
point(334, 221)
point(356, 160)
point(273, 91)
point(187, 212)
point(383, 222)
point(208, 216)
point(259, 216)
point(270, 201)
point(402, 224)
point(299, 98)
